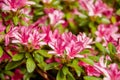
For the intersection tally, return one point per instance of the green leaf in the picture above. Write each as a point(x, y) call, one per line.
point(100, 47)
point(76, 67)
point(44, 53)
point(105, 21)
point(70, 76)
point(40, 60)
point(18, 57)
point(87, 60)
point(12, 65)
point(118, 12)
point(10, 73)
point(111, 48)
point(60, 75)
point(51, 66)
point(113, 19)
point(86, 51)
point(1, 51)
point(65, 70)
point(91, 78)
point(2, 76)
point(15, 20)
point(30, 65)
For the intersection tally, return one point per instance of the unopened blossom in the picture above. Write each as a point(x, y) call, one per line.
point(56, 17)
point(14, 5)
point(97, 8)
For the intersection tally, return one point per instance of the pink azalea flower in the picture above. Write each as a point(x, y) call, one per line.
point(108, 33)
point(96, 9)
point(84, 39)
point(110, 72)
point(17, 75)
point(29, 36)
point(74, 48)
point(68, 37)
point(10, 35)
point(46, 30)
point(47, 1)
point(2, 28)
point(90, 70)
point(4, 57)
point(55, 17)
point(58, 45)
point(14, 5)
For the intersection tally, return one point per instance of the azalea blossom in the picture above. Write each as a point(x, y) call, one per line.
point(2, 28)
point(14, 5)
point(28, 36)
point(55, 17)
point(47, 1)
point(110, 72)
point(58, 45)
point(90, 70)
point(108, 33)
point(97, 8)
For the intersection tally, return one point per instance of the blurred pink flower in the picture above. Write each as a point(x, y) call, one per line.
point(17, 75)
point(90, 70)
point(2, 28)
point(4, 57)
point(10, 34)
point(108, 33)
point(47, 1)
point(14, 5)
point(55, 17)
point(97, 8)
point(111, 72)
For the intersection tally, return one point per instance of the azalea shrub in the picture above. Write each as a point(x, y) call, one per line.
point(59, 40)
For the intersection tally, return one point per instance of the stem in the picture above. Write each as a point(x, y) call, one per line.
point(45, 75)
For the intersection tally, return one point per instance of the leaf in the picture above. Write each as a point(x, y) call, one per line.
point(87, 60)
point(86, 51)
point(111, 48)
point(40, 60)
point(1, 51)
point(100, 47)
point(44, 53)
point(12, 65)
point(30, 65)
point(15, 20)
point(18, 57)
point(91, 78)
point(105, 20)
point(118, 12)
point(113, 19)
point(70, 76)
point(65, 70)
point(60, 75)
point(51, 66)
point(10, 73)
point(76, 67)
